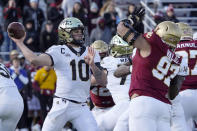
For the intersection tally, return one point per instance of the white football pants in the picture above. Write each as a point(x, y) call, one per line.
point(149, 114)
point(62, 111)
point(108, 120)
point(123, 122)
point(11, 108)
point(178, 122)
point(189, 103)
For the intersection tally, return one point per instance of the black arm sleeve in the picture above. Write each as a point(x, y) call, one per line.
point(99, 66)
point(175, 86)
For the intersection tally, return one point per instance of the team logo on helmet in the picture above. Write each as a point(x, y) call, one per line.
point(65, 28)
point(169, 32)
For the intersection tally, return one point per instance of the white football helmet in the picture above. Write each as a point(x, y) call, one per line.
point(65, 28)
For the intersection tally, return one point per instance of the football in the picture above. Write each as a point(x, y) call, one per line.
point(16, 30)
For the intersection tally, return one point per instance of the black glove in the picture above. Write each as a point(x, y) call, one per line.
point(140, 13)
point(137, 16)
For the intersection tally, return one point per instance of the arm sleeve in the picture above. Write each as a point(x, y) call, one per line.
point(24, 79)
point(53, 53)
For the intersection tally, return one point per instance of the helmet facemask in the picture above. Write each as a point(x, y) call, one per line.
point(66, 28)
point(119, 47)
point(78, 42)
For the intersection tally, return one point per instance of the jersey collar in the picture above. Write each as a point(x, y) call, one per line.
point(82, 50)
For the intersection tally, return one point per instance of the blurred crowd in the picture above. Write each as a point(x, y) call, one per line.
point(42, 17)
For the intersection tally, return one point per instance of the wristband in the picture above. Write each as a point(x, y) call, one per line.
point(130, 68)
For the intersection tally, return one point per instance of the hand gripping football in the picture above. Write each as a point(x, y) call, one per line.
point(16, 30)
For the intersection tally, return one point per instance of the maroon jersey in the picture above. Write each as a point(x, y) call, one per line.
point(151, 75)
point(188, 50)
point(101, 97)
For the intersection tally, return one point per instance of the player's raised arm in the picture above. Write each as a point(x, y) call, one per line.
point(122, 70)
point(40, 60)
point(100, 75)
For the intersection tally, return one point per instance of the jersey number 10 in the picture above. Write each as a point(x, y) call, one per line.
point(80, 70)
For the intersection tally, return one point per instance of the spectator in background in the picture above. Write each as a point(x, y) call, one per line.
point(170, 15)
point(18, 74)
point(67, 6)
point(87, 4)
point(55, 13)
point(35, 13)
point(78, 12)
point(111, 17)
point(1, 37)
point(22, 3)
point(93, 16)
point(27, 90)
point(34, 108)
point(48, 37)
point(23, 62)
point(20, 77)
point(45, 80)
point(10, 13)
point(159, 17)
point(32, 37)
point(13, 54)
point(131, 9)
point(1, 60)
point(101, 32)
point(3, 3)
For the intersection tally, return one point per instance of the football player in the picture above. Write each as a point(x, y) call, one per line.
point(187, 48)
point(100, 96)
point(74, 65)
point(118, 87)
point(155, 75)
point(11, 105)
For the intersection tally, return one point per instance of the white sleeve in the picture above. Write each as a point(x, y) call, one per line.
point(97, 57)
point(25, 80)
point(134, 52)
point(53, 53)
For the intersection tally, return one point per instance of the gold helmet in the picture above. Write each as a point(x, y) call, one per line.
point(65, 28)
point(169, 32)
point(101, 47)
point(119, 47)
point(187, 32)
